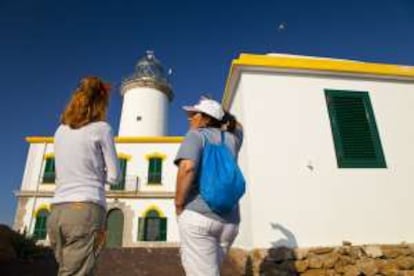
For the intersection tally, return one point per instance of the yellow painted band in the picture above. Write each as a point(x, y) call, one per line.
point(119, 140)
point(153, 207)
point(41, 207)
point(155, 155)
point(124, 156)
point(324, 64)
point(49, 155)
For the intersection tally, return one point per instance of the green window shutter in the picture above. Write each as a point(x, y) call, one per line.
point(163, 229)
point(141, 229)
point(49, 173)
point(356, 138)
point(40, 231)
point(123, 167)
point(155, 171)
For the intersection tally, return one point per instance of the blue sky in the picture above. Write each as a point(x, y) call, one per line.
point(47, 46)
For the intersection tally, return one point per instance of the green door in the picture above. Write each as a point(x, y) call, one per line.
point(115, 227)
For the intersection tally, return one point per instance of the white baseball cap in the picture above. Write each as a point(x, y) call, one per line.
point(207, 106)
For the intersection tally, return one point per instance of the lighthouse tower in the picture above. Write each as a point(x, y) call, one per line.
point(147, 94)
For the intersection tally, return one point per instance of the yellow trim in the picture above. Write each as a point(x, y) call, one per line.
point(155, 155)
point(119, 140)
point(39, 139)
point(124, 156)
point(49, 155)
point(324, 64)
point(41, 207)
point(312, 64)
point(153, 207)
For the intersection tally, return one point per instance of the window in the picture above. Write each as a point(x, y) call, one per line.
point(155, 170)
point(152, 227)
point(123, 167)
point(40, 231)
point(355, 134)
point(49, 172)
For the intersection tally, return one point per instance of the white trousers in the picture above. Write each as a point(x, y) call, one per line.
point(204, 243)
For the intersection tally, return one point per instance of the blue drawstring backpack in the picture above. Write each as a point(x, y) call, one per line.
point(221, 181)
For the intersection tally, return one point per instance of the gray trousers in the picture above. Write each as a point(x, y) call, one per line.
point(77, 235)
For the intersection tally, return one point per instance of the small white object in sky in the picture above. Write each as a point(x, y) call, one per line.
point(170, 71)
point(281, 27)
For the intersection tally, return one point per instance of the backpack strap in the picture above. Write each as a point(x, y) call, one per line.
point(223, 137)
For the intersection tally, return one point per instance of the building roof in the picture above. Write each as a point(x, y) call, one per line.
point(313, 65)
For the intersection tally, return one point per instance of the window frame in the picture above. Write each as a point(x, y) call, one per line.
point(40, 228)
point(347, 162)
point(49, 177)
point(123, 163)
point(154, 176)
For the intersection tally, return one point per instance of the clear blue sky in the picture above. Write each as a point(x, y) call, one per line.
point(46, 46)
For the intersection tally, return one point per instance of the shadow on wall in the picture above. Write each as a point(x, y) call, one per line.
point(280, 258)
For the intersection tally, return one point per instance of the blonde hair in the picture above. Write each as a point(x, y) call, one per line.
point(88, 104)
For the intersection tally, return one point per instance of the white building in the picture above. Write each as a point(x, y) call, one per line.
point(327, 155)
point(328, 150)
point(141, 209)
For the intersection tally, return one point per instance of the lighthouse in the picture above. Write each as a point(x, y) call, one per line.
point(146, 97)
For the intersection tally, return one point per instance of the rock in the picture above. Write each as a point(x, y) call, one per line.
point(314, 272)
point(322, 250)
point(301, 253)
point(392, 251)
point(301, 265)
point(351, 270)
point(372, 251)
point(342, 263)
point(389, 268)
point(315, 261)
point(368, 267)
point(330, 260)
point(346, 243)
point(355, 252)
point(238, 260)
point(405, 263)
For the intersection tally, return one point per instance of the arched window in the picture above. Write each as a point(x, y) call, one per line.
point(152, 227)
point(40, 230)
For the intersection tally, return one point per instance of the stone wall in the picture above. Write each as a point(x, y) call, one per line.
point(344, 260)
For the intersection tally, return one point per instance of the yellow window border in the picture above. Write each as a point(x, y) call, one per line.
point(43, 206)
point(150, 208)
point(49, 155)
point(156, 155)
point(124, 156)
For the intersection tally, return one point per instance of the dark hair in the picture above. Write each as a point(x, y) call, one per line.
point(212, 122)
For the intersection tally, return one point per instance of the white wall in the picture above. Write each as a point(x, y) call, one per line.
point(287, 130)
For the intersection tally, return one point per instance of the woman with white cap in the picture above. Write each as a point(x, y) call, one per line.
point(206, 236)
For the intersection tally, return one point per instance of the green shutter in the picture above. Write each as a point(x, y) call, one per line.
point(49, 172)
point(163, 229)
point(123, 167)
point(141, 229)
point(40, 230)
point(356, 138)
point(155, 171)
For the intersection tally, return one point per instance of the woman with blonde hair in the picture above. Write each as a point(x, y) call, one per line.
point(85, 159)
